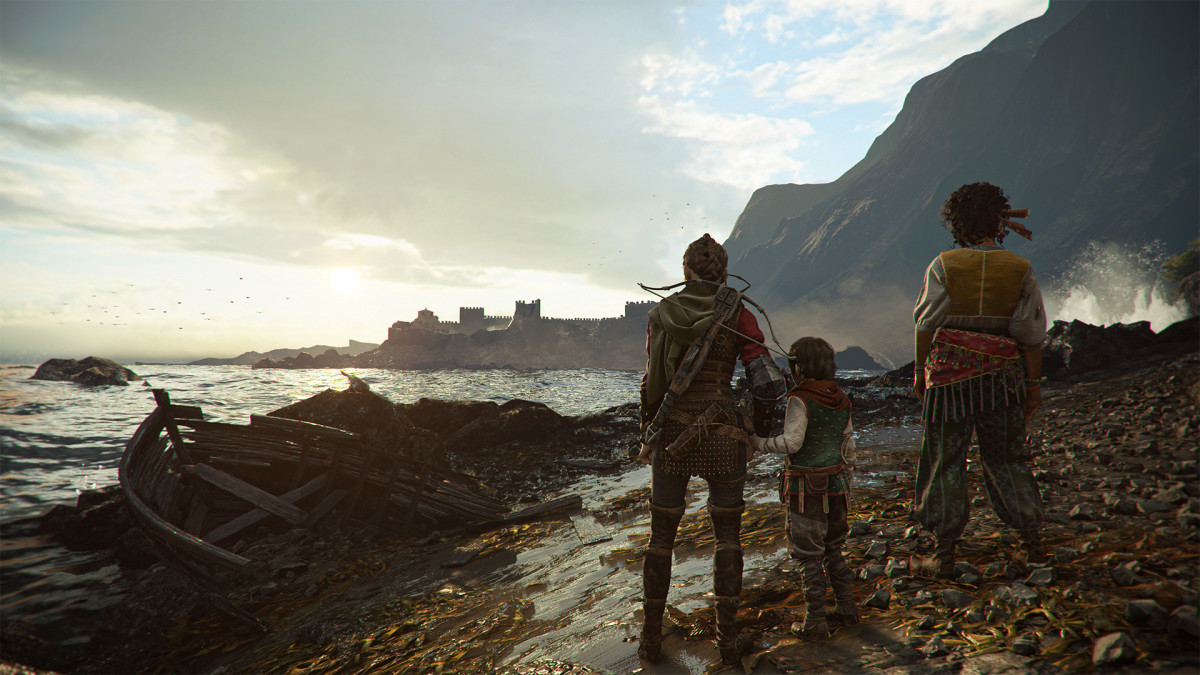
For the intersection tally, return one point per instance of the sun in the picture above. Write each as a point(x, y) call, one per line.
point(344, 280)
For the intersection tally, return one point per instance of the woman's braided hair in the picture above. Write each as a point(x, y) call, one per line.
point(706, 258)
point(972, 213)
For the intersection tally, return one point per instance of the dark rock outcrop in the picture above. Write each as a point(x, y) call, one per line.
point(93, 371)
point(518, 448)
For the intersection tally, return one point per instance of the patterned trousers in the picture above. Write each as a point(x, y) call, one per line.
point(942, 504)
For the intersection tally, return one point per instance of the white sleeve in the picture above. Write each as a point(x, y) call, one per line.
point(848, 452)
point(1028, 324)
point(795, 425)
point(934, 302)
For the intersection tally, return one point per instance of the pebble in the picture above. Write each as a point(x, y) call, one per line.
point(1126, 574)
point(1149, 506)
point(880, 599)
point(974, 616)
point(967, 573)
point(1146, 614)
point(871, 571)
point(878, 550)
point(1082, 511)
point(1184, 626)
point(954, 599)
point(927, 623)
point(912, 532)
point(923, 596)
point(1017, 594)
point(1065, 554)
point(859, 528)
point(895, 568)
point(997, 614)
point(1113, 649)
point(1041, 577)
point(935, 647)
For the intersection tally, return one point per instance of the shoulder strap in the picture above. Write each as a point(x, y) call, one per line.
point(725, 304)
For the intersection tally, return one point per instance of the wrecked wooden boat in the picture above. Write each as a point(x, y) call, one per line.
point(195, 485)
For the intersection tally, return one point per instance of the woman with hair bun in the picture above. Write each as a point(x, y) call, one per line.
point(704, 434)
point(980, 324)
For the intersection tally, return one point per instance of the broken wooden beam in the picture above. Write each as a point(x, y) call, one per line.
point(240, 488)
point(222, 532)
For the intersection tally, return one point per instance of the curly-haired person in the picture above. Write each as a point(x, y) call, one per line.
point(980, 325)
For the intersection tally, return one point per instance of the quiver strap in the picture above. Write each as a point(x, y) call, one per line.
point(726, 303)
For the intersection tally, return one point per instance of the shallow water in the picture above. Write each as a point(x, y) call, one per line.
point(57, 439)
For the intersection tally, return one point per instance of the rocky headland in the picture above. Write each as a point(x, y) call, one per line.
point(1114, 448)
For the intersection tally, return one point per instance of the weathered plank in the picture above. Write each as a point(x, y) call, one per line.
point(325, 506)
point(564, 503)
point(255, 495)
point(464, 554)
point(222, 532)
point(307, 429)
point(589, 530)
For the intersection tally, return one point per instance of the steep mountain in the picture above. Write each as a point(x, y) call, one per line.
point(1088, 115)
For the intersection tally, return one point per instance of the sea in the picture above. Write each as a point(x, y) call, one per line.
point(58, 439)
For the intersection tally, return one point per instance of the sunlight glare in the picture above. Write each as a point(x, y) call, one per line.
point(344, 280)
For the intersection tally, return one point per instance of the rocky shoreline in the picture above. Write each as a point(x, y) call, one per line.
point(1114, 449)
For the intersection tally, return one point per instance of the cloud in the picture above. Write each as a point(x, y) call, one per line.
point(744, 151)
point(884, 44)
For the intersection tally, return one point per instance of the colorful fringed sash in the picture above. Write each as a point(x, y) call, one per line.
point(968, 371)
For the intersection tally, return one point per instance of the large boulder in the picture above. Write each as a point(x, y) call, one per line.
point(91, 372)
point(1077, 347)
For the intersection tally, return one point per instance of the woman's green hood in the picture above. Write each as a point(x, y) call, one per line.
point(674, 324)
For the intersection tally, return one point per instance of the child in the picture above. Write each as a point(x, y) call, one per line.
point(819, 443)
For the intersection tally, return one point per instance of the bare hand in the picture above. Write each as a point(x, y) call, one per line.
point(755, 446)
point(1033, 400)
point(646, 456)
point(919, 388)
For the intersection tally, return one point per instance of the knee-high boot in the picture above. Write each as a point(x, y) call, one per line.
point(812, 572)
point(656, 577)
point(727, 581)
point(841, 580)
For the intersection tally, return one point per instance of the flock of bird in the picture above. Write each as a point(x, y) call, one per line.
point(127, 312)
point(668, 217)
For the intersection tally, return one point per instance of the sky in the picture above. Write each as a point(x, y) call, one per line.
point(182, 179)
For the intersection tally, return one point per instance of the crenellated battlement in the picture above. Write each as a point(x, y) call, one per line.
point(472, 319)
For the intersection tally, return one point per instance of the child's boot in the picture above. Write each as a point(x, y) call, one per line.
point(841, 580)
point(813, 575)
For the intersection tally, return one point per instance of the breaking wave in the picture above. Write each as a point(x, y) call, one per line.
point(1111, 283)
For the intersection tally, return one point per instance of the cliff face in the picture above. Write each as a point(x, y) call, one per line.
point(1087, 115)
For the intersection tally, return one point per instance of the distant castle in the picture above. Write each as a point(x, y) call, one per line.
point(472, 319)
